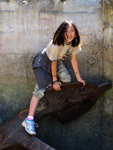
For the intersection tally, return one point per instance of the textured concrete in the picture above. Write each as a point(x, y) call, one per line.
point(25, 29)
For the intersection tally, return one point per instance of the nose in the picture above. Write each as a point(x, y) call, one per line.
point(69, 33)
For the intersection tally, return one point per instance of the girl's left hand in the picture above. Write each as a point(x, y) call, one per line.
point(82, 81)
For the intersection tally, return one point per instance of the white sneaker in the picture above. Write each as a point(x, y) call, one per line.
point(29, 126)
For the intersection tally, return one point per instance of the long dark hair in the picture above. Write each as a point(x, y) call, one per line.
point(58, 38)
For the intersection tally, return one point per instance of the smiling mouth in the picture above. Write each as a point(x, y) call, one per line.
point(68, 37)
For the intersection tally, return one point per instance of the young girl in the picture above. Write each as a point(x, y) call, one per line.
point(49, 68)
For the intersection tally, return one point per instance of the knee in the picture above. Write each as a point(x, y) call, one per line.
point(39, 94)
point(66, 78)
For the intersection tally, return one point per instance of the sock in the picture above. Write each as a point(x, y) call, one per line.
point(30, 118)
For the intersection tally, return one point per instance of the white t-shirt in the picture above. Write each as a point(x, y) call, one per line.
point(56, 52)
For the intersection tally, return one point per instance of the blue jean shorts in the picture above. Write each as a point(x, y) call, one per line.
point(42, 77)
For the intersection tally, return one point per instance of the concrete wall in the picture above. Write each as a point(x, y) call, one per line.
point(107, 112)
point(25, 29)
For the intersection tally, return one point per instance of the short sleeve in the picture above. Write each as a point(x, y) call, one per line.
point(52, 52)
point(76, 50)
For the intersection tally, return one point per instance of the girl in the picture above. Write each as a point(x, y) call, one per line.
point(48, 66)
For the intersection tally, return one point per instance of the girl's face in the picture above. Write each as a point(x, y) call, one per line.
point(69, 34)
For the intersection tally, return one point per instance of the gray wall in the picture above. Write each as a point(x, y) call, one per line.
point(25, 29)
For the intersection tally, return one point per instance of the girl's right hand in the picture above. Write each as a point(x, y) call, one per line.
point(57, 85)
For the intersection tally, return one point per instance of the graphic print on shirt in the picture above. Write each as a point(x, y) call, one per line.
point(67, 53)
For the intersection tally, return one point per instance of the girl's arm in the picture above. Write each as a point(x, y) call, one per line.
point(56, 85)
point(76, 69)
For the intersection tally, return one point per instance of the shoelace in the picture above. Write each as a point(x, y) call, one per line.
point(36, 125)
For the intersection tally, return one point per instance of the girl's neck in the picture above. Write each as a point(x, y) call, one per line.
point(67, 42)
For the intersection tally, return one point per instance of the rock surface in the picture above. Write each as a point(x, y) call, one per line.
point(67, 105)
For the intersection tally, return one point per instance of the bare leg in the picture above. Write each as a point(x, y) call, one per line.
point(33, 105)
point(28, 124)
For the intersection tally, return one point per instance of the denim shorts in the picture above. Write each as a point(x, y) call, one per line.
point(43, 78)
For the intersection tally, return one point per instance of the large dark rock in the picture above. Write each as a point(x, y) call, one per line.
point(66, 105)
point(72, 101)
